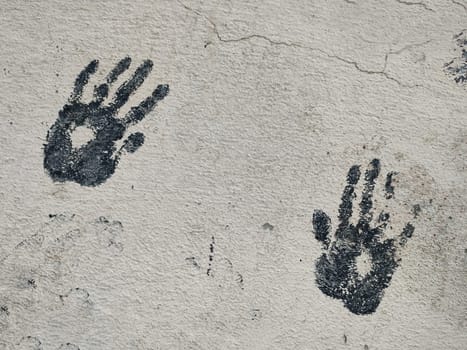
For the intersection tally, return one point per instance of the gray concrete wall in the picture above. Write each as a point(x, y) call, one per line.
point(203, 237)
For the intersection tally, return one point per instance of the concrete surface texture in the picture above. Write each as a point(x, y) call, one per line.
point(233, 174)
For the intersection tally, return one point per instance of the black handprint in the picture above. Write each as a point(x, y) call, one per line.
point(337, 274)
point(94, 162)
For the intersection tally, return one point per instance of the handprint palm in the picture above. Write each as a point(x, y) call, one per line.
point(94, 162)
point(337, 274)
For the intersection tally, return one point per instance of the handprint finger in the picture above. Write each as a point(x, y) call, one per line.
point(120, 67)
point(367, 195)
point(406, 233)
point(102, 91)
point(82, 80)
point(321, 226)
point(129, 87)
point(345, 209)
point(133, 142)
point(136, 114)
point(131, 145)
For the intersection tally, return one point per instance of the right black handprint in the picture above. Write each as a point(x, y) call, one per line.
point(337, 273)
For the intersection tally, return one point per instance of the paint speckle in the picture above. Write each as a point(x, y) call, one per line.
point(193, 262)
point(358, 265)
point(268, 226)
point(92, 162)
point(211, 256)
point(32, 283)
point(239, 280)
point(256, 314)
point(4, 310)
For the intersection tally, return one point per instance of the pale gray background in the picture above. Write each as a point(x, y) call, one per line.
point(271, 102)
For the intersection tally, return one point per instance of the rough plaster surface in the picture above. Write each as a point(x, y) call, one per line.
point(203, 237)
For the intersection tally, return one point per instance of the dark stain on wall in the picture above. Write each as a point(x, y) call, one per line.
point(337, 272)
point(94, 162)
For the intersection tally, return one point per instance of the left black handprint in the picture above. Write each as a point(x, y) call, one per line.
point(94, 162)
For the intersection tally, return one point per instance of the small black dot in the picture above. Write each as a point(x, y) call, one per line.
point(32, 282)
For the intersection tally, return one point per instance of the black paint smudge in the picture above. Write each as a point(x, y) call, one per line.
point(239, 280)
point(389, 188)
point(337, 274)
point(211, 256)
point(32, 283)
point(458, 66)
point(416, 209)
point(94, 162)
point(4, 310)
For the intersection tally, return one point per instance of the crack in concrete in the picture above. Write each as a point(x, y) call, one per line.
point(460, 4)
point(415, 4)
point(355, 64)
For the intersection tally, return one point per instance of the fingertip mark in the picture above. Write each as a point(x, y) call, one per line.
point(354, 175)
point(161, 91)
point(373, 170)
point(83, 78)
point(133, 142)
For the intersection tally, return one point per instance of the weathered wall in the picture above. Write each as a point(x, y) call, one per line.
point(201, 236)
